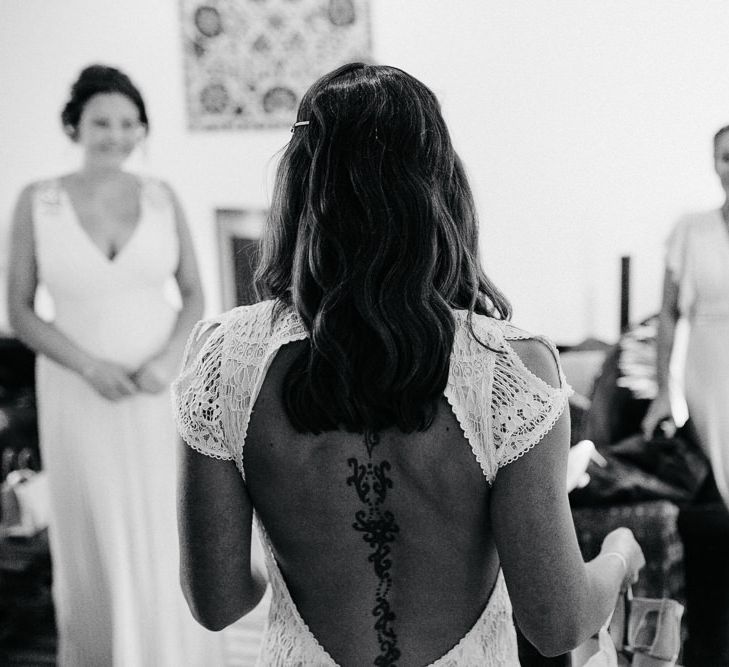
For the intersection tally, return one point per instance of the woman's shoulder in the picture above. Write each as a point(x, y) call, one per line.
point(43, 186)
point(696, 221)
point(483, 329)
point(249, 314)
point(209, 334)
point(151, 182)
point(42, 195)
point(155, 190)
point(268, 319)
point(497, 332)
point(245, 335)
point(519, 349)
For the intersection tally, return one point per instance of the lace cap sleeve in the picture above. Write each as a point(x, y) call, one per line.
point(524, 407)
point(196, 392)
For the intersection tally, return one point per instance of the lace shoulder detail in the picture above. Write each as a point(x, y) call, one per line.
point(502, 407)
point(254, 335)
point(469, 385)
point(217, 389)
point(524, 408)
point(196, 392)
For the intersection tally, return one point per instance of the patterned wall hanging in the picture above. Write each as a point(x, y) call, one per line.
point(248, 62)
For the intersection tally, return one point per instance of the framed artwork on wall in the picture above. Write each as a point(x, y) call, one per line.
point(247, 63)
point(239, 232)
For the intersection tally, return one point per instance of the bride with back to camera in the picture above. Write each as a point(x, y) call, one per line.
point(104, 243)
point(400, 445)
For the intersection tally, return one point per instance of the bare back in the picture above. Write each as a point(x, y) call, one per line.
point(371, 524)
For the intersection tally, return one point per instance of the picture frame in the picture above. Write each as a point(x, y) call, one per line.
point(248, 63)
point(239, 232)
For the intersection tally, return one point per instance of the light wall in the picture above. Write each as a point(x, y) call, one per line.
point(585, 127)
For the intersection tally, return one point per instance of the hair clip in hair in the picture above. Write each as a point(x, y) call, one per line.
point(298, 123)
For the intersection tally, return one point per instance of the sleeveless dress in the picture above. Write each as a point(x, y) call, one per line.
point(503, 409)
point(113, 524)
point(698, 258)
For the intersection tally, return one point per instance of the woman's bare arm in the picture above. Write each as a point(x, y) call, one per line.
point(215, 525)
point(660, 407)
point(214, 515)
point(558, 599)
point(43, 337)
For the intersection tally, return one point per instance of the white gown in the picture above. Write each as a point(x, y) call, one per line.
point(111, 465)
point(504, 410)
point(698, 258)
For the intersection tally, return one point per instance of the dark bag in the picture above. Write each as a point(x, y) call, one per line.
point(638, 470)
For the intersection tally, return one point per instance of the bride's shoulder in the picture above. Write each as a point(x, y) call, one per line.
point(489, 331)
point(518, 349)
point(269, 319)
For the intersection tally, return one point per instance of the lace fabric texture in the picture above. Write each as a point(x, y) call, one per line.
point(503, 409)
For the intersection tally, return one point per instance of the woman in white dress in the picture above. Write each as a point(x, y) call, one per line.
point(402, 448)
point(696, 287)
point(105, 244)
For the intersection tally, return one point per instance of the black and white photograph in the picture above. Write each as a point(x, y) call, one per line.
point(338, 333)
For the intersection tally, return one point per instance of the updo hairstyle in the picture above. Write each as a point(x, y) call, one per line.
point(95, 80)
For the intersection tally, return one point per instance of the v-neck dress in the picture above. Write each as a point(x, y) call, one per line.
point(698, 258)
point(110, 464)
point(503, 409)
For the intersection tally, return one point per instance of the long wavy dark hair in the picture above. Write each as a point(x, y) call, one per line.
point(372, 239)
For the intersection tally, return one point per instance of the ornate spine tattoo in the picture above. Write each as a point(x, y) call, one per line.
point(378, 528)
